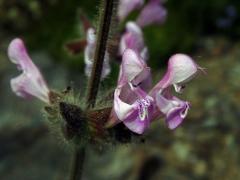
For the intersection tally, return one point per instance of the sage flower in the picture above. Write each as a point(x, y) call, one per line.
point(31, 82)
point(133, 39)
point(137, 107)
point(89, 55)
point(132, 104)
point(152, 13)
point(125, 7)
point(181, 69)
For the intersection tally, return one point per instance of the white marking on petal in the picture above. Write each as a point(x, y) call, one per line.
point(143, 105)
point(121, 108)
point(179, 88)
point(184, 113)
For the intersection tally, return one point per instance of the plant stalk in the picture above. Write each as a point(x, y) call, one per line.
point(101, 46)
point(94, 81)
point(77, 164)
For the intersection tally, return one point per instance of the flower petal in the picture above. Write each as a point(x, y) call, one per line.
point(17, 53)
point(174, 109)
point(140, 118)
point(24, 86)
point(30, 82)
point(134, 123)
point(127, 6)
point(89, 55)
point(153, 13)
point(90, 48)
point(181, 69)
point(143, 77)
point(91, 36)
point(144, 53)
point(135, 113)
point(176, 117)
point(133, 39)
point(132, 66)
point(122, 109)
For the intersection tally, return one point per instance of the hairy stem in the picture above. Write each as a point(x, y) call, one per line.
point(101, 46)
point(94, 81)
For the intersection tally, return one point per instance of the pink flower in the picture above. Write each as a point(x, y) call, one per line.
point(131, 103)
point(136, 107)
point(181, 69)
point(125, 7)
point(89, 55)
point(30, 82)
point(133, 39)
point(152, 13)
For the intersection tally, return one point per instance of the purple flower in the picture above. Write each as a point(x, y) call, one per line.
point(181, 69)
point(152, 13)
point(89, 55)
point(132, 104)
point(136, 107)
point(30, 82)
point(125, 7)
point(133, 39)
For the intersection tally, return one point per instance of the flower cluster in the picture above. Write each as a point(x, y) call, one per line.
point(136, 103)
point(152, 12)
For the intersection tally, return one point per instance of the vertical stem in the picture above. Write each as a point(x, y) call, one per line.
point(101, 46)
point(77, 164)
point(93, 85)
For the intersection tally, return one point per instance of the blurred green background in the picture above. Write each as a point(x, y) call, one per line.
point(206, 146)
